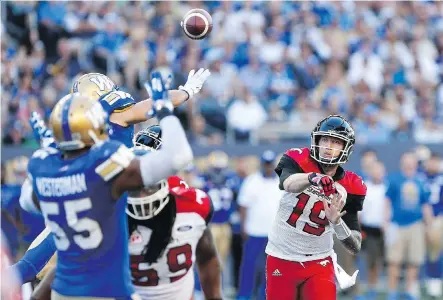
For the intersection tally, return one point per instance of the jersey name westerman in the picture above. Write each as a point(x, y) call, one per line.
point(63, 186)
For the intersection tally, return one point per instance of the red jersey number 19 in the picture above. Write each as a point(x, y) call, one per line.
point(314, 216)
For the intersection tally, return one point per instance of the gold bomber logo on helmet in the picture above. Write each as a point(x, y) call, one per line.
point(93, 85)
point(78, 122)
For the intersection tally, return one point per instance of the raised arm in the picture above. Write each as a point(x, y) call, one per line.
point(294, 180)
point(175, 153)
point(141, 111)
point(36, 257)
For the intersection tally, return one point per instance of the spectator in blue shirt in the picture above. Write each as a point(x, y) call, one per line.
point(408, 212)
point(372, 130)
point(107, 43)
point(51, 17)
point(282, 87)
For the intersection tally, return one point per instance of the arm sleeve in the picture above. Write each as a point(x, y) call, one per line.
point(285, 168)
point(38, 254)
point(354, 204)
point(116, 101)
point(26, 201)
point(211, 213)
point(351, 219)
point(175, 153)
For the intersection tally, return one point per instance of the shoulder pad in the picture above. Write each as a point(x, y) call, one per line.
point(116, 101)
point(38, 156)
point(353, 184)
point(302, 157)
point(192, 200)
point(42, 153)
point(112, 157)
point(176, 181)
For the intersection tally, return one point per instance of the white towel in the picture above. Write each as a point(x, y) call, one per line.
point(344, 280)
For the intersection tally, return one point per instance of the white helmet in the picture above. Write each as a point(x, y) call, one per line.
point(146, 203)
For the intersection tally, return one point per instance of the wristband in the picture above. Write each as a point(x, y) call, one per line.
point(341, 230)
point(189, 96)
point(163, 113)
point(310, 177)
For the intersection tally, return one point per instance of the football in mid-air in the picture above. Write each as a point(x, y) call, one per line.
point(197, 24)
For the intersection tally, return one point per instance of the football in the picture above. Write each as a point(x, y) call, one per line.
point(197, 24)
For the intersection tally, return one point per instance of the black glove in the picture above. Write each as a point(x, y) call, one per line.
point(324, 182)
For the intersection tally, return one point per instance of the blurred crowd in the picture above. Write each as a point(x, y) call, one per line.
point(277, 67)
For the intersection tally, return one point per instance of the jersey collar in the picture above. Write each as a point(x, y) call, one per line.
point(339, 174)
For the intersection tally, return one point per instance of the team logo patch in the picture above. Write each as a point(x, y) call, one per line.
point(323, 263)
point(184, 228)
point(135, 238)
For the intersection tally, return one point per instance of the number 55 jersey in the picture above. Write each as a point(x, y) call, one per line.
point(89, 227)
point(301, 231)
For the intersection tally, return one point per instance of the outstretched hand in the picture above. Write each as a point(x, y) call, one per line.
point(333, 211)
point(159, 93)
point(195, 81)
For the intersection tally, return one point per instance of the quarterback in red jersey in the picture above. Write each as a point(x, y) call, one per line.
point(320, 199)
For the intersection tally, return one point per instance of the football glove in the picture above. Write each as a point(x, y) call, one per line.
point(159, 94)
point(324, 182)
point(41, 133)
point(195, 82)
point(148, 88)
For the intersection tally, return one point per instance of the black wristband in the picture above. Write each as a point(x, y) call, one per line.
point(189, 96)
point(310, 177)
point(162, 113)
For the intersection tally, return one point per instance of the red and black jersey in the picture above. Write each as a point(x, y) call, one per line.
point(191, 200)
point(298, 160)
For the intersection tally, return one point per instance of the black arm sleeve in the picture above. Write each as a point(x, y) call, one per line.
point(285, 168)
point(354, 204)
point(211, 212)
point(351, 219)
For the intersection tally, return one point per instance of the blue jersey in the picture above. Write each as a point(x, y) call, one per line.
point(116, 102)
point(88, 226)
point(407, 197)
point(222, 191)
point(35, 258)
point(435, 186)
point(33, 223)
point(10, 205)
